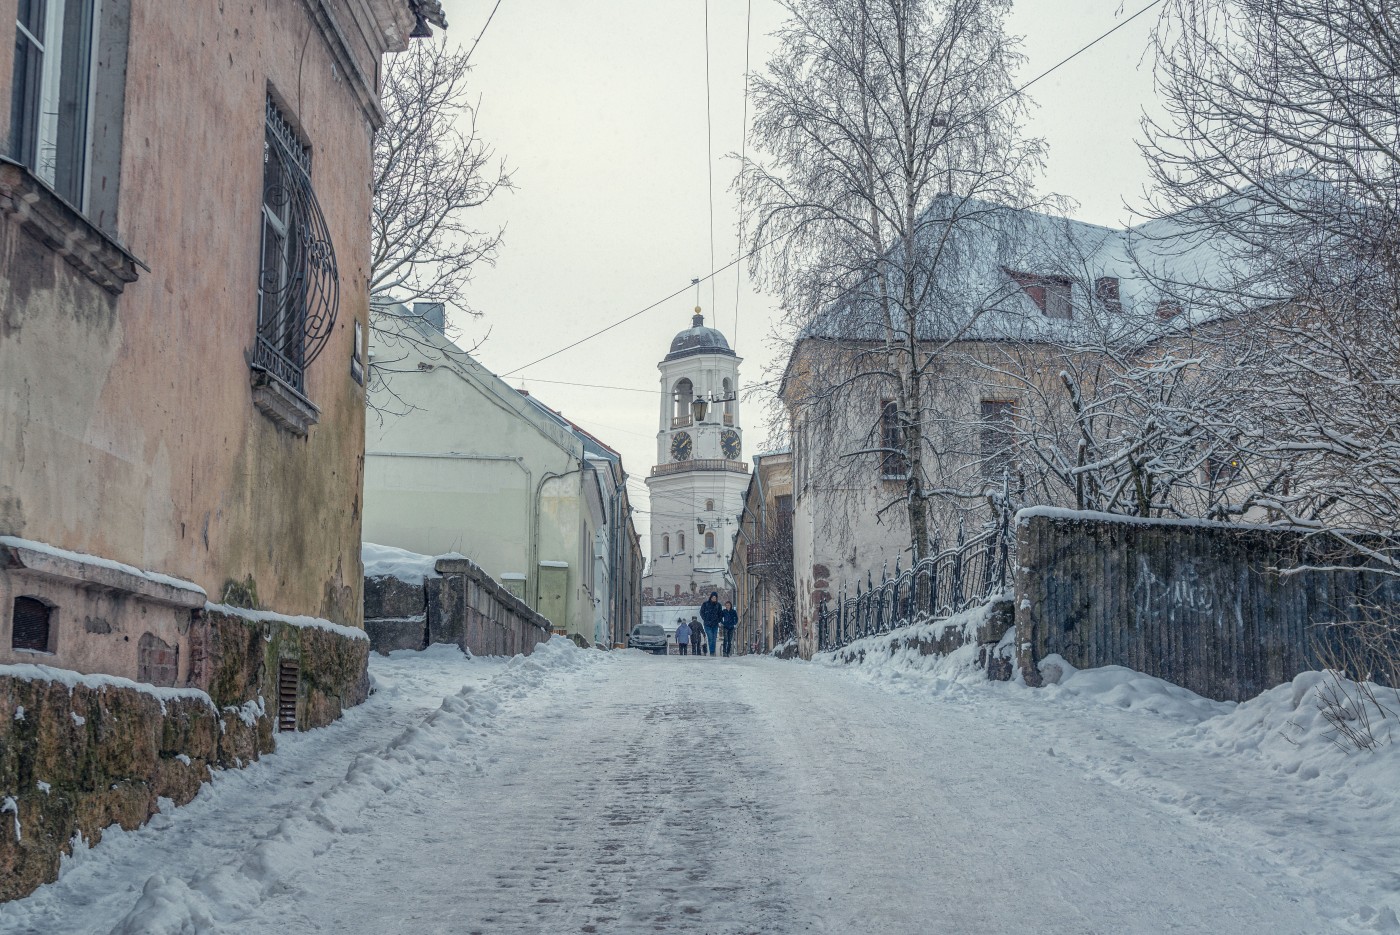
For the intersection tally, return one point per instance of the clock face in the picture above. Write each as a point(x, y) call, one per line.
point(681, 446)
point(729, 443)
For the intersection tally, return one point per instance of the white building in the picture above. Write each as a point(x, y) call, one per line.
point(697, 486)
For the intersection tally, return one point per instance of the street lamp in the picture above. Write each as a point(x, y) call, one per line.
point(699, 407)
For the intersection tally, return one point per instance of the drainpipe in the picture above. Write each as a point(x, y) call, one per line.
point(530, 521)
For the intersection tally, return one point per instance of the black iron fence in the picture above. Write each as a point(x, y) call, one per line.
point(946, 582)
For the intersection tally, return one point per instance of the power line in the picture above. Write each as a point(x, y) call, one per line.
point(772, 240)
point(482, 33)
point(709, 154)
point(595, 386)
point(743, 157)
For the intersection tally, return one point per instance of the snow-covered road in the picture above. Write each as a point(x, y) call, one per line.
point(587, 792)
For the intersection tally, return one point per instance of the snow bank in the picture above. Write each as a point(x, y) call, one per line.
point(1120, 687)
point(29, 672)
point(895, 656)
point(408, 567)
point(267, 616)
point(1286, 725)
point(220, 897)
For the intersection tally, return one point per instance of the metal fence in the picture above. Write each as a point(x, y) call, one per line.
point(946, 582)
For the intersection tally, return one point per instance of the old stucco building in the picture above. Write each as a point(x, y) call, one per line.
point(183, 261)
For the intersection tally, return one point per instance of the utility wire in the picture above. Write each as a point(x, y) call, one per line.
point(482, 33)
point(709, 155)
point(743, 156)
point(714, 272)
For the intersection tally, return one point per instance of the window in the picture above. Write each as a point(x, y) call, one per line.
point(1221, 469)
point(893, 464)
point(995, 440)
point(680, 542)
point(709, 505)
point(1106, 291)
point(709, 542)
point(298, 289)
point(357, 355)
point(51, 92)
point(665, 545)
point(30, 624)
point(681, 397)
point(784, 504)
point(728, 393)
point(1053, 295)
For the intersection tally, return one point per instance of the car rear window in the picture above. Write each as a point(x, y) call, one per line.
point(649, 629)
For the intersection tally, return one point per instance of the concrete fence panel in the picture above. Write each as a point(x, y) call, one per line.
point(1210, 606)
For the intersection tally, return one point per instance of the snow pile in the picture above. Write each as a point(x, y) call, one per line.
point(1288, 726)
point(387, 560)
point(1120, 687)
point(219, 897)
point(28, 672)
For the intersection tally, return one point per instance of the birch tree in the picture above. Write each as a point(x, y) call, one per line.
point(889, 149)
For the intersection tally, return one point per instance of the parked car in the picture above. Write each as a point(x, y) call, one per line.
point(648, 636)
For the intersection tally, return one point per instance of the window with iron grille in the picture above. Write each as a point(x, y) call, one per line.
point(995, 441)
point(894, 465)
point(31, 624)
point(299, 285)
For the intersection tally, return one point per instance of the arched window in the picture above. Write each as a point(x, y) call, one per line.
point(680, 545)
point(709, 542)
point(728, 403)
point(30, 625)
point(683, 393)
point(665, 545)
point(709, 504)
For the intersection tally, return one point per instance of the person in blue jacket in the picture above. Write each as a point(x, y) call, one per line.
point(710, 613)
point(682, 635)
point(729, 619)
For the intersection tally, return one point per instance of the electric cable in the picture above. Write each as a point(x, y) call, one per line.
point(710, 154)
point(714, 272)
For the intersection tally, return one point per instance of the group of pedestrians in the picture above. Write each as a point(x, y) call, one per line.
point(713, 618)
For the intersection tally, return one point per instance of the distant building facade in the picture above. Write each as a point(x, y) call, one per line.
point(697, 486)
point(762, 564)
point(183, 251)
point(457, 460)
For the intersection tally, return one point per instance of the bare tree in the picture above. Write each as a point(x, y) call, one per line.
point(431, 168)
point(891, 151)
point(1282, 140)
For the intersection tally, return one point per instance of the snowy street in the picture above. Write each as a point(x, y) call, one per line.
point(576, 791)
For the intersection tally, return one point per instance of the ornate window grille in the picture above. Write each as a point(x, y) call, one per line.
point(299, 289)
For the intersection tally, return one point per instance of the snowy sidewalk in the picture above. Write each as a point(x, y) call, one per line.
point(587, 792)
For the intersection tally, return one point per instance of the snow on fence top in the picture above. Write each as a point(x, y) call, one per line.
point(408, 567)
point(1023, 516)
point(94, 561)
point(29, 672)
point(268, 616)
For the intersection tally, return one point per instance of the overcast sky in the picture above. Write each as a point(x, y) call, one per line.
point(600, 109)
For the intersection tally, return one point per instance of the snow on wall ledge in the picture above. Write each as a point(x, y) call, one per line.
point(79, 752)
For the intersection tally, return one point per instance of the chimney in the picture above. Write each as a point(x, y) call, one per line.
point(432, 313)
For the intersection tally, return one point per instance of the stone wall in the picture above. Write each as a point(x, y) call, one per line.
point(79, 753)
point(463, 605)
point(1199, 604)
point(983, 627)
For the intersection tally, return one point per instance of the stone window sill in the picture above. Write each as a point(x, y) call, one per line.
point(282, 404)
point(41, 212)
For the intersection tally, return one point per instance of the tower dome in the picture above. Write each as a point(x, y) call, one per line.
point(697, 339)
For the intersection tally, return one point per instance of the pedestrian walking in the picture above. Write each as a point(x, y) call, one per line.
point(728, 619)
point(710, 612)
point(696, 635)
point(682, 635)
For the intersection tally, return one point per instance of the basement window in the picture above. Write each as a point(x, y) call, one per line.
point(31, 625)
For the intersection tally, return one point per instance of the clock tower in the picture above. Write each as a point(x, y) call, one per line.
point(700, 478)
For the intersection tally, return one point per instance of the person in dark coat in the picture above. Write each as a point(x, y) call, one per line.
point(728, 619)
point(710, 612)
point(697, 644)
point(682, 635)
